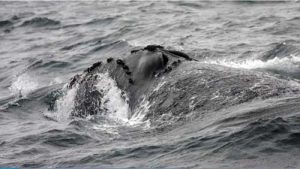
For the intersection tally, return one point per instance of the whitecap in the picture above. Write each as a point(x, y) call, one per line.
point(289, 64)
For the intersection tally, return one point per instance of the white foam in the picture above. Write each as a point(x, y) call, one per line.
point(114, 100)
point(56, 80)
point(289, 64)
point(108, 128)
point(64, 105)
point(140, 113)
point(116, 103)
point(23, 85)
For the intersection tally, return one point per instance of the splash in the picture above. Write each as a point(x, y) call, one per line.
point(114, 100)
point(64, 105)
point(23, 85)
point(56, 80)
point(140, 113)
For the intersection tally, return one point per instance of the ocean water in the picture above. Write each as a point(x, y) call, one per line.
point(236, 107)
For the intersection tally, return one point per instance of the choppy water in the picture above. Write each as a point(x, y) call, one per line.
point(243, 124)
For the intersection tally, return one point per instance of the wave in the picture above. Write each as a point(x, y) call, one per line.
point(254, 2)
point(264, 136)
point(8, 23)
point(282, 59)
point(55, 137)
point(290, 65)
point(261, 137)
point(280, 50)
point(5, 23)
point(40, 22)
point(100, 21)
point(281, 28)
point(107, 20)
point(271, 18)
point(51, 64)
point(194, 4)
point(94, 41)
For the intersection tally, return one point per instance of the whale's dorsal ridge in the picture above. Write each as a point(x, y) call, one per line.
point(150, 48)
point(179, 54)
point(153, 48)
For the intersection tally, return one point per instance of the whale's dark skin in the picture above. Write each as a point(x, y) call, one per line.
point(132, 74)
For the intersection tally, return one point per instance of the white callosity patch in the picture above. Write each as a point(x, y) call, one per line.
point(289, 64)
point(23, 85)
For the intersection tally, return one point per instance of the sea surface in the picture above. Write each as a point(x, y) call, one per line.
point(44, 44)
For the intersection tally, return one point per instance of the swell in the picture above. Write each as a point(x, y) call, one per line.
point(248, 133)
point(14, 22)
point(40, 22)
point(51, 64)
point(282, 59)
point(195, 5)
point(40, 144)
point(254, 2)
point(221, 140)
point(5, 23)
point(95, 22)
point(280, 50)
point(262, 137)
point(94, 41)
point(54, 138)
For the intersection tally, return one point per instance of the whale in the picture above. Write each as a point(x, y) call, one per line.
point(176, 86)
point(133, 74)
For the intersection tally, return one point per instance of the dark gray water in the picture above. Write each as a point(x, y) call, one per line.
point(238, 107)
